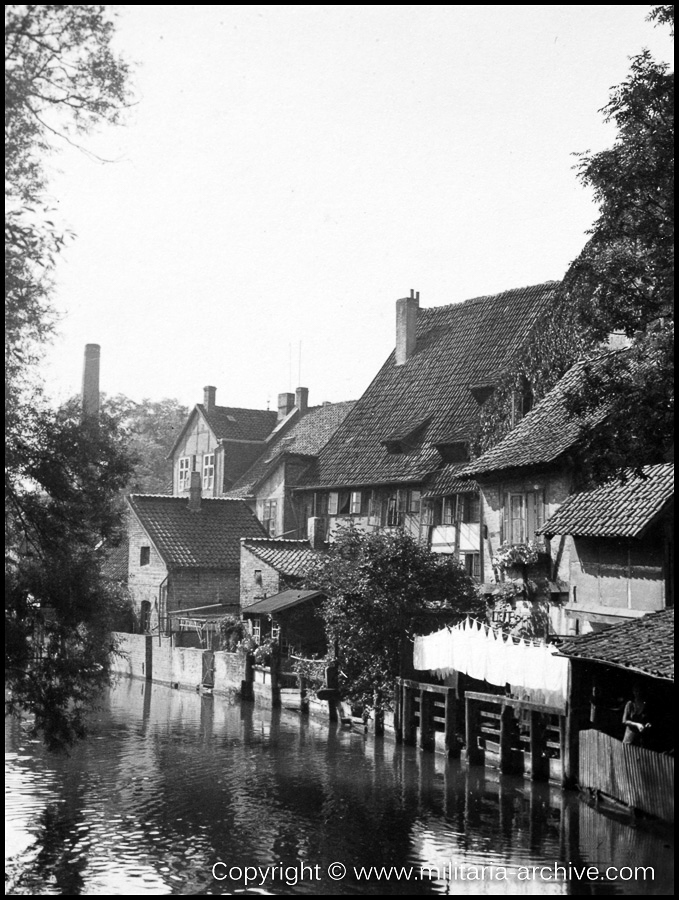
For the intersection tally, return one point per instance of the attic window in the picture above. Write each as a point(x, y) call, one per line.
point(230, 418)
point(481, 392)
point(454, 451)
point(144, 556)
point(407, 437)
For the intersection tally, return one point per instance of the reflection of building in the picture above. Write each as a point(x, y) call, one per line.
point(185, 553)
point(394, 460)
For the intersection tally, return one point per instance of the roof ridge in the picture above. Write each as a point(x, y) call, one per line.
point(483, 298)
point(236, 408)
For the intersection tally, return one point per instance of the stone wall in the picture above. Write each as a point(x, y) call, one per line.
point(152, 658)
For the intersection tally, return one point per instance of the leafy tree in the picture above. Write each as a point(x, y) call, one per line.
point(63, 476)
point(380, 586)
point(623, 281)
point(151, 428)
point(61, 495)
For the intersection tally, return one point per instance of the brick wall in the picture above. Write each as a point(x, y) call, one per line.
point(188, 588)
point(251, 589)
point(144, 581)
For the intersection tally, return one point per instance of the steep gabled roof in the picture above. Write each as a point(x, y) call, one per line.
point(458, 348)
point(616, 509)
point(307, 437)
point(207, 538)
point(291, 558)
point(231, 423)
point(644, 645)
point(546, 433)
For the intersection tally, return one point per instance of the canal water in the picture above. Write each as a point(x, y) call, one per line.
point(174, 788)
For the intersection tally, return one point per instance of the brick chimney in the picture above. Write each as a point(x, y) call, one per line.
point(90, 391)
point(316, 530)
point(209, 398)
point(286, 403)
point(302, 399)
point(406, 327)
point(195, 492)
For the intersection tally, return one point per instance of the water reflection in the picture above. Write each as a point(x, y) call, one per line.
point(173, 782)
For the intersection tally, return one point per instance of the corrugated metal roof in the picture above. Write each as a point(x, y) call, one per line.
point(207, 538)
point(616, 509)
point(644, 645)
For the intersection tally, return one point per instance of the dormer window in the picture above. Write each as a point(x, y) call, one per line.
point(453, 451)
point(406, 438)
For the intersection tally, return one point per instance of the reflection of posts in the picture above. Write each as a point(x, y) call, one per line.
point(635, 718)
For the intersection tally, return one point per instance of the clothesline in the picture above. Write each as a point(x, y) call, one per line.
point(476, 650)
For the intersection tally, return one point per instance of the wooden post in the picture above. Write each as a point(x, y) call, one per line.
point(427, 720)
point(539, 767)
point(451, 742)
point(408, 715)
point(398, 701)
point(474, 753)
point(506, 728)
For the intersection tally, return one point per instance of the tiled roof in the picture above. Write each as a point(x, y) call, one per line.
point(288, 557)
point(207, 538)
point(545, 434)
point(447, 481)
point(458, 347)
point(643, 645)
point(616, 509)
point(307, 437)
point(230, 422)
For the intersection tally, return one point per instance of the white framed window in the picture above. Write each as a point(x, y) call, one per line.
point(355, 503)
point(269, 511)
point(414, 502)
point(184, 473)
point(208, 471)
point(522, 514)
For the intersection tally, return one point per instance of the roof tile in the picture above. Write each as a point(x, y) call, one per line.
point(458, 346)
point(206, 538)
point(290, 558)
point(644, 645)
point(307, 437)
point(616, 509)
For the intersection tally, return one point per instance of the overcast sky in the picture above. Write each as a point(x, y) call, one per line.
point(288, 172)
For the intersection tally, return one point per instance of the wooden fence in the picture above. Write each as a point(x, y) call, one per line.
point(640, 778)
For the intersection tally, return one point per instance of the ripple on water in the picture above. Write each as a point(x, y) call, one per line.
point(170, 787)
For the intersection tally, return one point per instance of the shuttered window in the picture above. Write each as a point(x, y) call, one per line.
point(522, 515)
